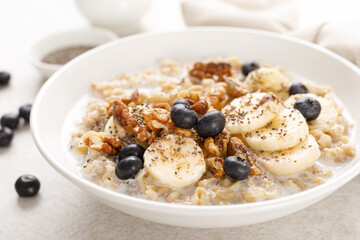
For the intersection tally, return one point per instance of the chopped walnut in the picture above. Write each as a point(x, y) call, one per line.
point(134, 97)
point(216, 164)
point(101, 142)
point(270, 97)
point(210, 146)
point(172, 128)
point(143, 133)
point(235, 89)
point(209, 70)
point(165, 106)
point(200, 107)
point(156, 118)
point(123, 116)
point(218, 97)
point(237, 148)
point(217, 146)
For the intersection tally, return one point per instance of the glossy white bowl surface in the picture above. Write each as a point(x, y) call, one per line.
point(72, 82)
point(121, 16)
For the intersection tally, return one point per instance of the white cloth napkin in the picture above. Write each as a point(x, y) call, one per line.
point(273, 15)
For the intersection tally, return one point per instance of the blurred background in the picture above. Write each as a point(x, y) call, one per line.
point(24, 21)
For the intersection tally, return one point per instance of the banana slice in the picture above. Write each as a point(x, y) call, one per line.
point(251, 111)
point(269, 80)
point(175, 161)
point(284, 131)
point(112, 128)
point(329, 111)
point(293, 160)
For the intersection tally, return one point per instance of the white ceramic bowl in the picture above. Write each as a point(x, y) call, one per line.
point(61, 92)
point(55, 41)
point(121, 16)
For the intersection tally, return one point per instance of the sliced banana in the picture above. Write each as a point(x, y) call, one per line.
point(112, 128)
point(329, 111)
point(250, 112)
point(175, 161)
point(268, 79)
point(293, 160)
point(285, 131)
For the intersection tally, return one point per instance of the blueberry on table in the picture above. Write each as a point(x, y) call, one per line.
point(24, 112)
point(182, 101)
point(183, 116)
point(4, 78)
point(248, 67)
point(27, 186)
point(132, 150)
point(297, 88)
point(6, 135)
point(10, 120)
point(309, 107)
point(211, 124)
point(236, 167)
point(128, 167)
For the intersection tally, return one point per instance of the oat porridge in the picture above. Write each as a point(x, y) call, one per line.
point(214, 132)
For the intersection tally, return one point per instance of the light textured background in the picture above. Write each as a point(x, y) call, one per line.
point(62, 211)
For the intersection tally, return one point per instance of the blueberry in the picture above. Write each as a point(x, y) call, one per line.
point(211, 124)
point(183, 116)
point(236, 167)
point(24, 112)
point(132, 150)
point(309, 107)
point(128, 167)
point(27, 186)
point(10, 121)
point(297, 88)
point(249, 67)
point(6, 135)
point(4, 78)
point(182, 101)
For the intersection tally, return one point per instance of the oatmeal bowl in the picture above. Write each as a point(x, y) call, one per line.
point(206, 127)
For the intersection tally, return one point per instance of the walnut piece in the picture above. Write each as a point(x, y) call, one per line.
point(217, 146)
point(133, 98)
point(165, 106)
point(270, 97)
point(200, 107)
point(237, 148)
point(156, 118)
point(217, 96)
point(123, 116)
point(216, 164)
point(143, 133)
point(235, 89)
point(101, 142)
point(209, 70)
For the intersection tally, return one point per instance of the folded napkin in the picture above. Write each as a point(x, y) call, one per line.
point(276, 16)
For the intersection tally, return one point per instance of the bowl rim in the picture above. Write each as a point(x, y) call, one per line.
point(164, 206)
point(40, 64)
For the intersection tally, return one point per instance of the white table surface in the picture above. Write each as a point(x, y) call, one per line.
point(62, 211)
